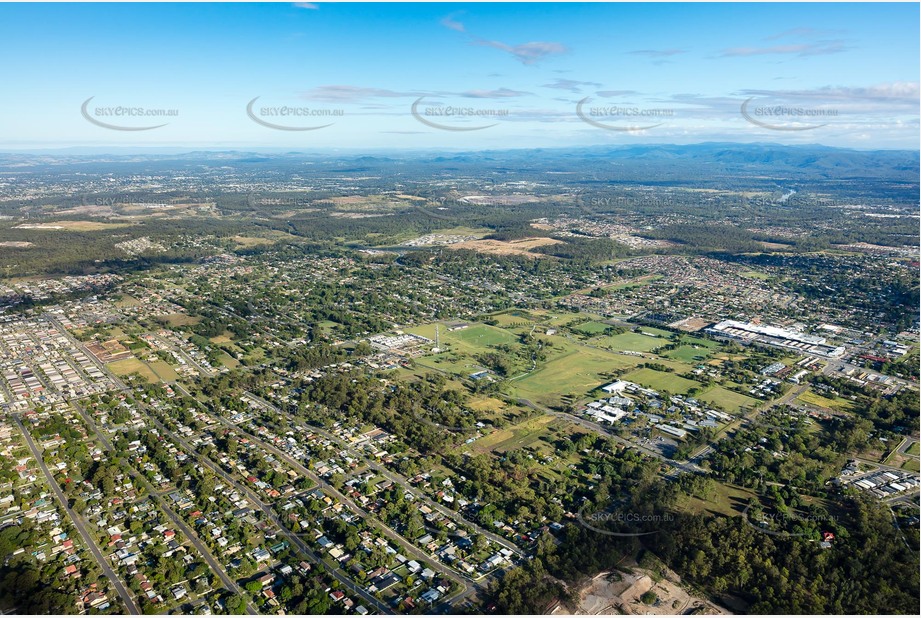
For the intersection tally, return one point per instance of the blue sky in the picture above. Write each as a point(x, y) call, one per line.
point(481, 75)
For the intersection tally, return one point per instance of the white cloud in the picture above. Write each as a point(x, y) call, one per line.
point(819, 48)
point(526, 53)
point(571, 85)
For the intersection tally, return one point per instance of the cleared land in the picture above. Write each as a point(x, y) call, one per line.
point(163, 371)
point(501, 247)
point(74, 226)
point(517, 436)
point(180, 319)
point(813, 399)
point(133, 365)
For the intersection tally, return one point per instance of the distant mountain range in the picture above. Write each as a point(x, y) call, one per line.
point(775, 160)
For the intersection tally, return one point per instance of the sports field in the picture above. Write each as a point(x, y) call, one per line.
point(689, 354)
point(728, 400)
point(634, 342)
point(661, 381)
point(474, 339)
point(572, 369)
point(591, 328)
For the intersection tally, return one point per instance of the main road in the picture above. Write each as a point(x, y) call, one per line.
point(79, 524)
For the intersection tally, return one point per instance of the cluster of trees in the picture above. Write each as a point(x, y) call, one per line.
point(807, 459)
point(710, 238)
point(869, 569)
point(589, 250)
point(31, 587)
point(889, 414)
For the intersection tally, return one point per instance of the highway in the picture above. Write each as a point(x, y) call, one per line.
point(79, 524)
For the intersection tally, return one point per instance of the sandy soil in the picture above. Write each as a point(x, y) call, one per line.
point(512, 247)
point(619, 592)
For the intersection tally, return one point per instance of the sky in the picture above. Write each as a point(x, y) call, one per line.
point(341, 76)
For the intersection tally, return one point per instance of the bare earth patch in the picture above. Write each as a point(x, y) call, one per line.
point(511, 247)
point(772, 245)
point(75, 226)
point(619, 592)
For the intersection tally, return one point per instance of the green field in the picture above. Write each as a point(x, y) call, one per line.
point(481, 336)
point(132, 365)
point(473, 339)
point(179, 319)
point(813, 399)
point(517, 436)
point(634, 342)
point(227, 360)
point(450, 362)
point(689, 354)
point(661, 381)
point(591, 328)
point(163, 370)
point(514, 318)
point(726, 399)
point(571, 369)
point(912, 465)
point(914, 449)
point(726, 500)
